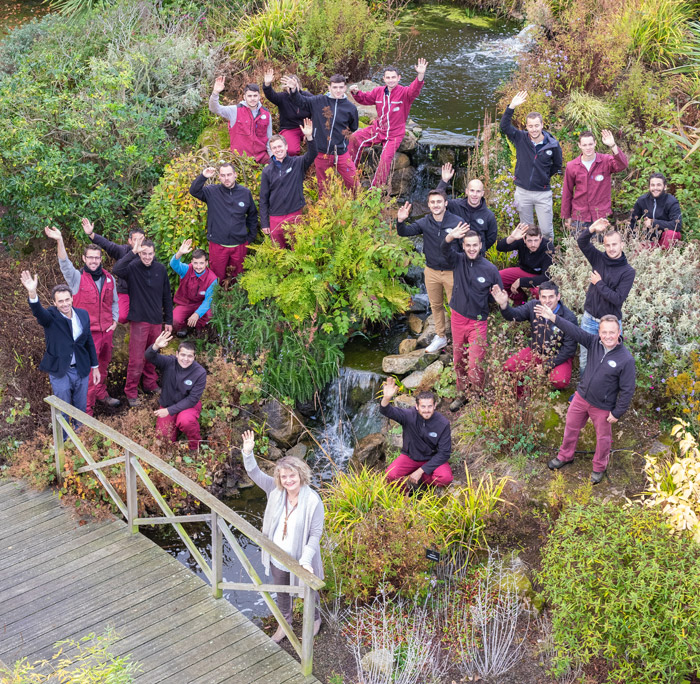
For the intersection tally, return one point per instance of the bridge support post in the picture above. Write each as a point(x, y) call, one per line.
point(132, 507)
point(307, 631)
point(58, 446)
point(217, 550)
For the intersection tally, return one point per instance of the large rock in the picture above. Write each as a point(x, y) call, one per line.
point(368, 452)
point(407, 345)
point(431, 374)
point(414, 379)
point(298, 450)
point(404, 401)
point(284, 424)
point(274, 453)
point(402, 181)
point(401, 161)
point(409, 142)
point(428, 332)
point(401, 364)
point(415, 324)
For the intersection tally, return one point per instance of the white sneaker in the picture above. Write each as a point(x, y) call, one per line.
point(437, 343)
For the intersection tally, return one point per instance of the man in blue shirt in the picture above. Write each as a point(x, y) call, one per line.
point(193, 298)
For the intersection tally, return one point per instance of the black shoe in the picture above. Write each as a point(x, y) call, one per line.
point(181, 333)
point(556, 464)
point(156, 390)
point(597, 478)
point(458, 403)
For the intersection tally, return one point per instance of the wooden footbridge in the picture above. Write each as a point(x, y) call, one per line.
point(62, 579)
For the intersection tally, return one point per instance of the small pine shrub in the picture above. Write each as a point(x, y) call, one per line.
point(587, 112)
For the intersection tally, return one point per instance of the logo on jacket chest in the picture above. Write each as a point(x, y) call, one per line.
point(481, 279)
point(188, 382)
point(612, 364)
point(549, 152)
point(241, 204)
point(599, 177)
point(480, 221)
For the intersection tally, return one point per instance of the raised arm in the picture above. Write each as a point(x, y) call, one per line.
point(584, 241)
point(568, 328)
point(228, 112)
point(311, 152)
point(363, 97)
point(70, 273)
point(265, 482)
point(401, 217)
point(507, 118)
point(198, 189)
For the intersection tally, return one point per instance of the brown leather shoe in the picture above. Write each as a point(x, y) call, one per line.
point(112, 402)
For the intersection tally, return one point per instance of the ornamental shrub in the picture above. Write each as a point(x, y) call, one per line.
point(622, 588)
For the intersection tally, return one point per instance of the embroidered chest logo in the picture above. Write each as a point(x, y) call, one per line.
point(549, 152)
point(480, 221)
point(188, 382)
point(612, 364)
point(241, 204)
point(432, 434)
point(599, 177)
point(481, 280)
point(289, 170)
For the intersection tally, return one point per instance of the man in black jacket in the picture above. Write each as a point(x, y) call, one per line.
point(150, 306)
point(472, 209)
point(611, 280)
point(292, 114)
point(232, 219)
point(116, 252)
point(183, 381)
point(427, 440)
point(604, 393)
point(335, 119)
point(659, 212)
point(534, 260)
point(474, 277)
point(282, 187)
point(437, 273)
point(539, 157)
point(70, 350)
point(550, 350)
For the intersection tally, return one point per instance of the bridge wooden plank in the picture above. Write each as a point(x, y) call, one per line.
point(238, 662)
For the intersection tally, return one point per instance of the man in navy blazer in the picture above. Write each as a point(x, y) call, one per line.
point(70, 349)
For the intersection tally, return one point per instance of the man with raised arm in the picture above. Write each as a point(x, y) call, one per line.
point(393, 102)
point(611, 280)
point(183, 381)
point(603, 394)
point(249, 123)
point(150, 312)
point(70, 351)
point(427, 440)
point(534, 260)
point(94, 290)
point(438, 272)
point(232, 219)
point(472, 209)
point(116, 252)
point(551, 350)
point(335, 119)
point(282, 187)
point(538, 158)
point(587, 188)
point(659, 212)
point(474, 277)
point(193, 297)
point(292, 114)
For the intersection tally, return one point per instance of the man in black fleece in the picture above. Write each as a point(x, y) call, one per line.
point(474, 277)
point(611, 280)
point(437, 273)
point(427, 440)
point(183, 381)
point(659, 212)
point(550, 349)
point(538, 158)
point(292, 114)
point(282, 187)
point(534, 260)
point(116, 252)
point(335, 120)
point(150, 305)
point(472, 209)
point(603, 394)
point(232, 219)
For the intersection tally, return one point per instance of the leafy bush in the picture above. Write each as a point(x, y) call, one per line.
point(683, 392)
point(621, 587)
point(86, 105)
point(587, 112)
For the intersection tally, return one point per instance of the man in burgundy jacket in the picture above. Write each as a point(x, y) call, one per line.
point(586, 193)
point(393, 103)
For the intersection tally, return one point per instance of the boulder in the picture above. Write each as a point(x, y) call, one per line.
point(298, 450)
point(379, 662)
point(431, 374)
point(274, 453)
point(415, 324)
point(401, 364)
point(428, 332)
point(284, 425)
point(404, 401)
point(368, 452)
point(414, 379)
point(407, 345)
point(402, 181)
point(409, 142)
point(414, 276)
point(401, 161)
point(419, 304)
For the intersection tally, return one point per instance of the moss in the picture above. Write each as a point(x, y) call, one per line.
point(436, 17)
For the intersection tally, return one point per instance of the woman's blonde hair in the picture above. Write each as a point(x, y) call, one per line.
point(292, 463)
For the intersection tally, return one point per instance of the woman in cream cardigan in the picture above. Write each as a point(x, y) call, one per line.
point(293, 520)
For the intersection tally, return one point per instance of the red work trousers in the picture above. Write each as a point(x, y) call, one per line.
point(141, 336)
point(186, 421)
point(294, 137)
point(668, 237)
point(343, 164)
point(183, 311)
point(282, 229)
point(104, 343)
point(123, 307)
point(364, 139)
point(223, 258)
point(576, 418)
point(559, 376)
point(468, 336)
point(509, 276)
point(404, 465)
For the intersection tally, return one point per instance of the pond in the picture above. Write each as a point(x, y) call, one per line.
point(12, 14)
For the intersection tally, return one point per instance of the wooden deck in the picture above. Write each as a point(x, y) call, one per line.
point(61, 579)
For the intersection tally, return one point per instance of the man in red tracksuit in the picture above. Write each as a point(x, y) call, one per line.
point(393, 103)
point(249, 123)
point(586, 193)
point(94, 290)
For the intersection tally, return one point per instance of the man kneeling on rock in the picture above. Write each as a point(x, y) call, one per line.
point(604, 392)
point(427, 440)
point(183, 384)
